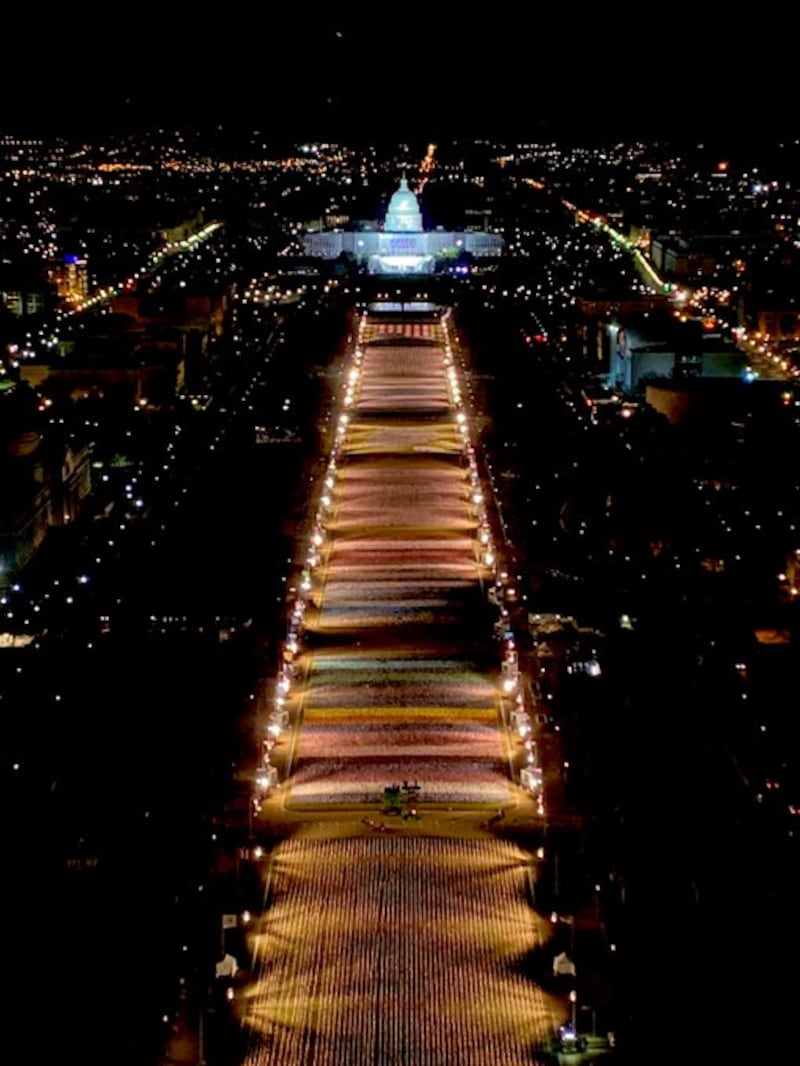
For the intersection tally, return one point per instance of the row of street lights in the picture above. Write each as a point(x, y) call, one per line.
point(278, 717)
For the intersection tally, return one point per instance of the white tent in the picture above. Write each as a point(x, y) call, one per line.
point(227, 967)
point(563, 966)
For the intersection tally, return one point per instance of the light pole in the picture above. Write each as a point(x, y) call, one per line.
point(569, 920)
point(202, 1059)
point(573, 999)
point(586, 1006)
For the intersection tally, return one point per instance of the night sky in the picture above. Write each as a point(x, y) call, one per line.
point(396, 70)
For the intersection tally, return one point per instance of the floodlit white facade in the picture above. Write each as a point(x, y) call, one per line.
point(402, 246)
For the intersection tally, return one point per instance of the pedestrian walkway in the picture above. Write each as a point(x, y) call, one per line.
point(397, 688)
point(399, 924)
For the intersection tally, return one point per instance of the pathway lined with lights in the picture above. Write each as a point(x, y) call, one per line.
point(390, 944)
point(396, 950)
point(394, 693)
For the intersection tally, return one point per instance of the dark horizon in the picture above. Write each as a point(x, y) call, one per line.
point(402, 78)
point(219, 132)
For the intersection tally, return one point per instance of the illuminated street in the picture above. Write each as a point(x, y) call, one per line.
point(394, 693)
point(396, 950)
point(399, 689)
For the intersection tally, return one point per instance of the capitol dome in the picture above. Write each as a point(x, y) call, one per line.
point(403, 214)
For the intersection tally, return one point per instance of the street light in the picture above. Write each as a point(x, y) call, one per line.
point(587, 1006)
point(573, 999)
point(566, 919)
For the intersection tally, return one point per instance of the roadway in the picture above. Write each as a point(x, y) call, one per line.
point(393, 680)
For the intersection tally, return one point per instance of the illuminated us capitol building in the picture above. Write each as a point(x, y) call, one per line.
point(402, 246)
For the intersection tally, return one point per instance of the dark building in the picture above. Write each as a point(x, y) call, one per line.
point(772, 298)
point(639, 348)
point(733, 401)
point(25, 291)
point(45, 479)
